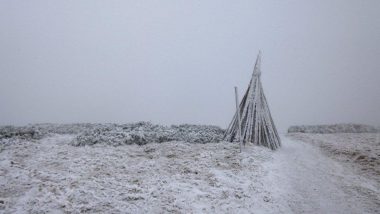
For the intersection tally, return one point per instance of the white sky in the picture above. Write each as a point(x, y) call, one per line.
point(174, 62)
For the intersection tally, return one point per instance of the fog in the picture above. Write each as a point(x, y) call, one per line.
point(172, 62)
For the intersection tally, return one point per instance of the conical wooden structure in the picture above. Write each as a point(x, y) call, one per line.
point(257, 125)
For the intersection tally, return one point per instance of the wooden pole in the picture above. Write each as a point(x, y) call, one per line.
point(252, 121)
point(238, 116)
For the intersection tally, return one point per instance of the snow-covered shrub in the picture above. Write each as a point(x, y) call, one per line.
point(197, 133)
point(38, 131)
point(9, 133)
point(336, 128)
point(75, 128)
point(144, 132)
point(114, 134)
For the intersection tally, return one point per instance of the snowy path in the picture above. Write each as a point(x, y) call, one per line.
point(304, 180)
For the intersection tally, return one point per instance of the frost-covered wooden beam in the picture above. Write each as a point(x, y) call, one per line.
point(257, 125)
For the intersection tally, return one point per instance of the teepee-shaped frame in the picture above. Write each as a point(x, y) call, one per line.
point(257, 125)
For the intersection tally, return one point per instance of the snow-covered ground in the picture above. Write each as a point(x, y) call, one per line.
point(361, 151)
point(51, 175)
point(308, 181)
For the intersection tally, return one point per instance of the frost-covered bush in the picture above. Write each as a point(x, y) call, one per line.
point(197, 133)
point(9, 134)
point(336, 128)
point(24, 133)
point(113, 134)
point(75, 128)
point(144, 132)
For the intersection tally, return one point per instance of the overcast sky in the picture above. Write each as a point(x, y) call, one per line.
point(172, 62)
